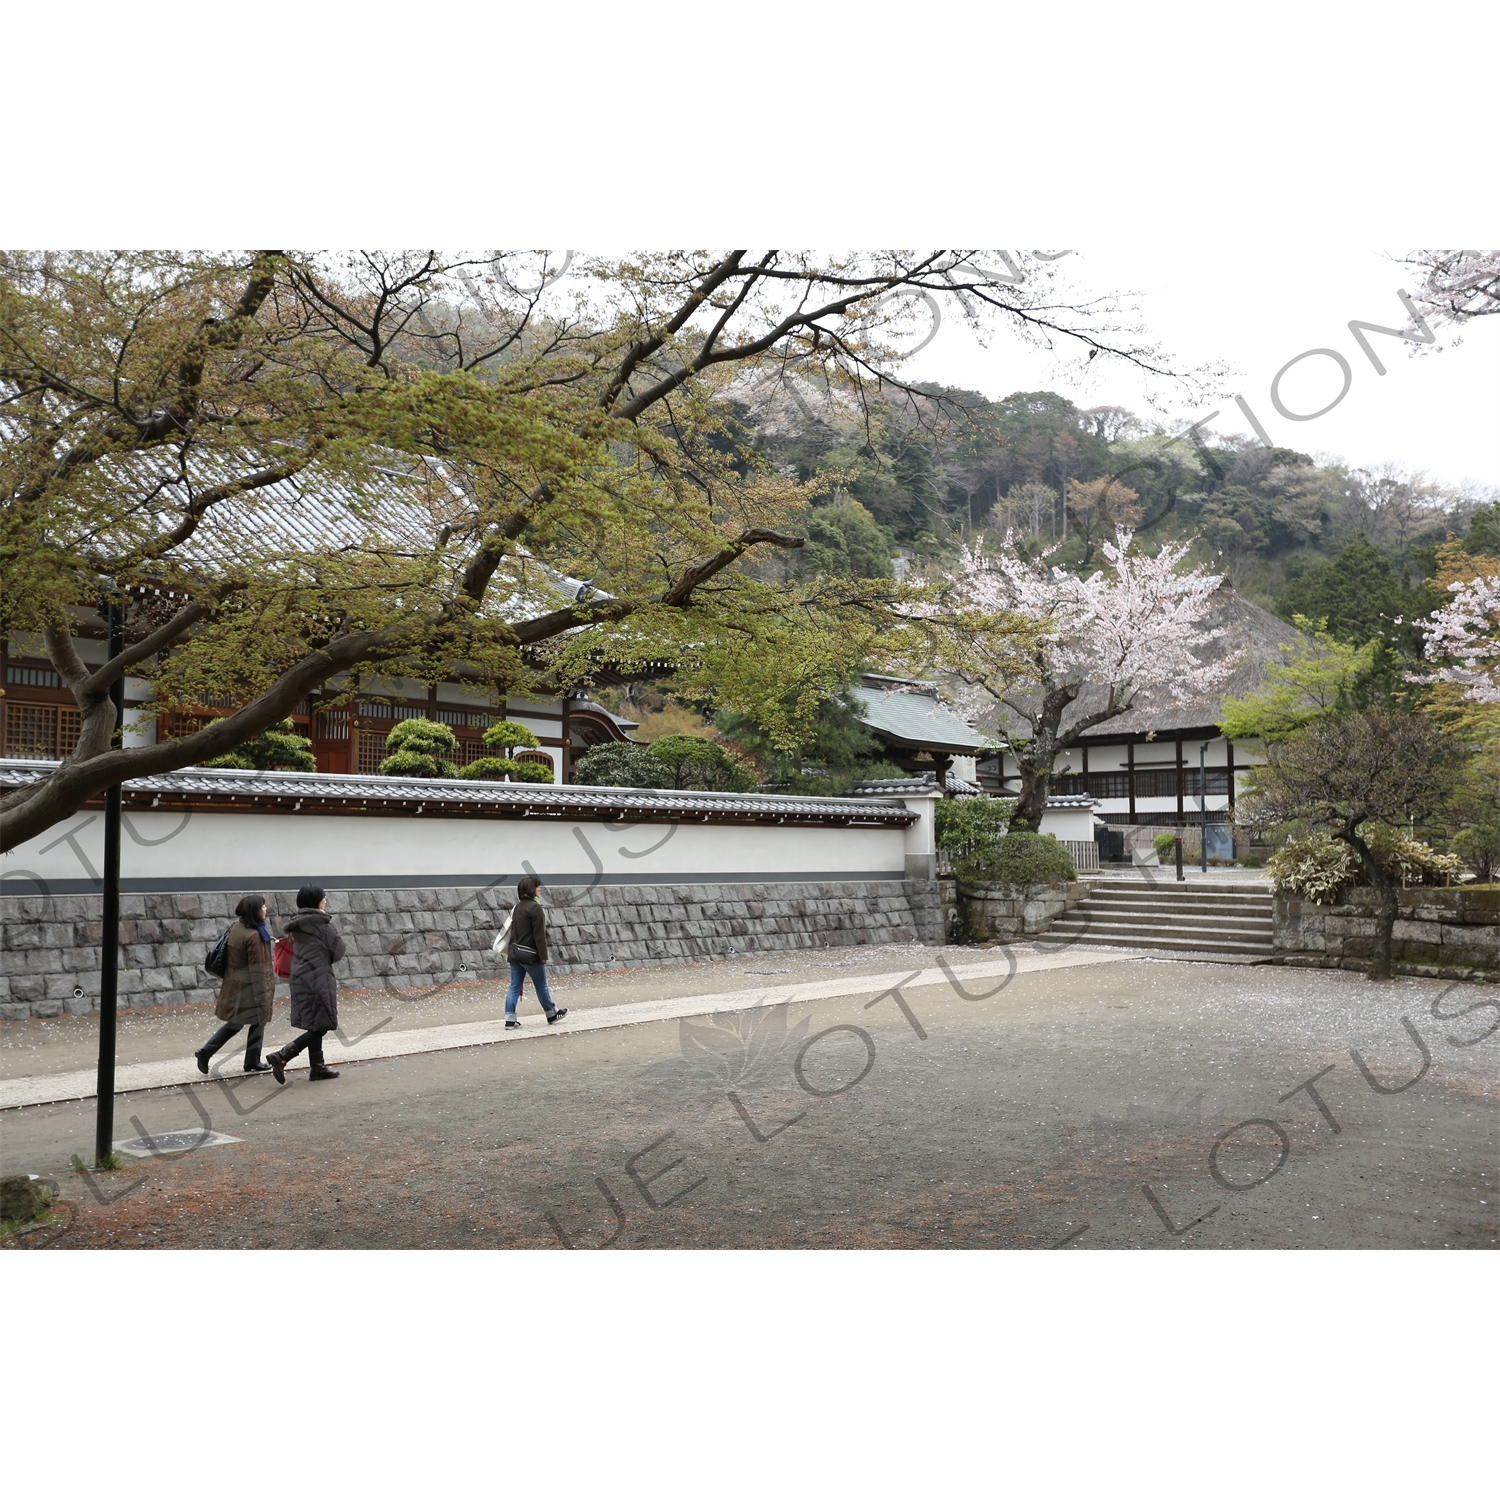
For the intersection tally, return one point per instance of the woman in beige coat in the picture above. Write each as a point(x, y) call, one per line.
point(248, 989)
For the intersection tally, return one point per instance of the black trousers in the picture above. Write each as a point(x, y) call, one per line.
point(252, 1042)
point(313, 1041)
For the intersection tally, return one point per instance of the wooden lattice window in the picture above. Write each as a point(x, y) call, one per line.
point(371, 752)
point(40, 731)
point(30, 732)
point(332, 724)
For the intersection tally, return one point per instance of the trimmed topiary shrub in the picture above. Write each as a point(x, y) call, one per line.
point(279, 748)
point(965, 824)
point(497, 768)
point(1165, 845)
point(1018, 859)
point(420, 748)
point(621, 765)
point(695, 764)
point(506, 736)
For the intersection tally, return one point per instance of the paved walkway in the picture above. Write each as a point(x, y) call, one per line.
point(56, 1088)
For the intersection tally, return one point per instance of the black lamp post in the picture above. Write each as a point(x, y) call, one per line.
point(109, 942)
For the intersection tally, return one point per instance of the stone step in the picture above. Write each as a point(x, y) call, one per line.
point(1083, 916)
point(1061, 937)
point(1178, 893)
point(1182, 903)
point(1167, 884)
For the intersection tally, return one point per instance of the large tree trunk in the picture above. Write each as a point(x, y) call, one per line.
point(1386, 911)
point(1031, 804)
point(1035, 760)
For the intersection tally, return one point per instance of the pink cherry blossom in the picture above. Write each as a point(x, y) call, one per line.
point(1465, 636)
point(1132, 631)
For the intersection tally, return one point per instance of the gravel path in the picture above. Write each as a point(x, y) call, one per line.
point(1137, 1103)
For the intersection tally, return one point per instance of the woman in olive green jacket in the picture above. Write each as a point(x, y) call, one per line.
point(248, 989)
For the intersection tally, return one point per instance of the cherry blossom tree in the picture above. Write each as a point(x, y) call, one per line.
point(1459, 285)
point(1464, 635)
point(1028, 643)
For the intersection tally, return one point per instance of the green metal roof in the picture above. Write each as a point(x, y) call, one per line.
point(910, 714)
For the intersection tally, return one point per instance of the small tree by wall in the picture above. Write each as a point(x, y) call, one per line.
point(1348, 774)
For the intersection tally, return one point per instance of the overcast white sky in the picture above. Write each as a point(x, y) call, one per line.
point(1438, 411)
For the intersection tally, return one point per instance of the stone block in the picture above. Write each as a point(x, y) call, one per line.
point(1478, 958)
point(1416, 932)
point(1416, 952)
point(1475, 936)
point(15, 1011)
point(129, 982)
point(61, 987)
point(47, 1008)
point(24, 935)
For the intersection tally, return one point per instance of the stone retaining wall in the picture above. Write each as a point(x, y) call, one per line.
point(1440, 932)
point(416, 939)
point(1007, 913)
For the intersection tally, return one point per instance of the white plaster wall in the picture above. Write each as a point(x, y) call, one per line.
point(1069, 823)
point(212, 850)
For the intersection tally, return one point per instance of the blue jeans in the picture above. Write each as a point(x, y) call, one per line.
point(518, 973)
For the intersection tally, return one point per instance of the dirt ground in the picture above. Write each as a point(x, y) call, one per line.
point(1137, 1103)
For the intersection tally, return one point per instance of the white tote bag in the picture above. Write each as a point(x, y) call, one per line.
point(498, 946)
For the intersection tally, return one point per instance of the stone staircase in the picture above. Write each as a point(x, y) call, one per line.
point(1222, 919)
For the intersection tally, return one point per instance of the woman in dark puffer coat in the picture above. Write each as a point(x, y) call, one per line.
point(315, 992)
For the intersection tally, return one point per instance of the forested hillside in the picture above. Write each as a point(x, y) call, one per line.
point(922, 473)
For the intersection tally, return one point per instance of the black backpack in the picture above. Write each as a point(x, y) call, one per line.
point(216, 960)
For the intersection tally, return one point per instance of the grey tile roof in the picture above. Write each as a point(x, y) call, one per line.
point(398, 796)
point(911, 714)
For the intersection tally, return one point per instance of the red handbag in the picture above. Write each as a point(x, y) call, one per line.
point(282, 960)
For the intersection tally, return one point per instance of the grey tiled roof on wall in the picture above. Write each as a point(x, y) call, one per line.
point(401, 796)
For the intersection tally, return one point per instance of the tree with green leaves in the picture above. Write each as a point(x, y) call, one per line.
point(1318, 675)
point(287, 471)
point(1360, 598)
point(837, 750)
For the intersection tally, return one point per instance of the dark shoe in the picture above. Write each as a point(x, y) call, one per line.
point(511, 1024)
point(260, 1067)
point(557, 1015)
point(277, 1064)
point(202, 1062)
point(316, 1073)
